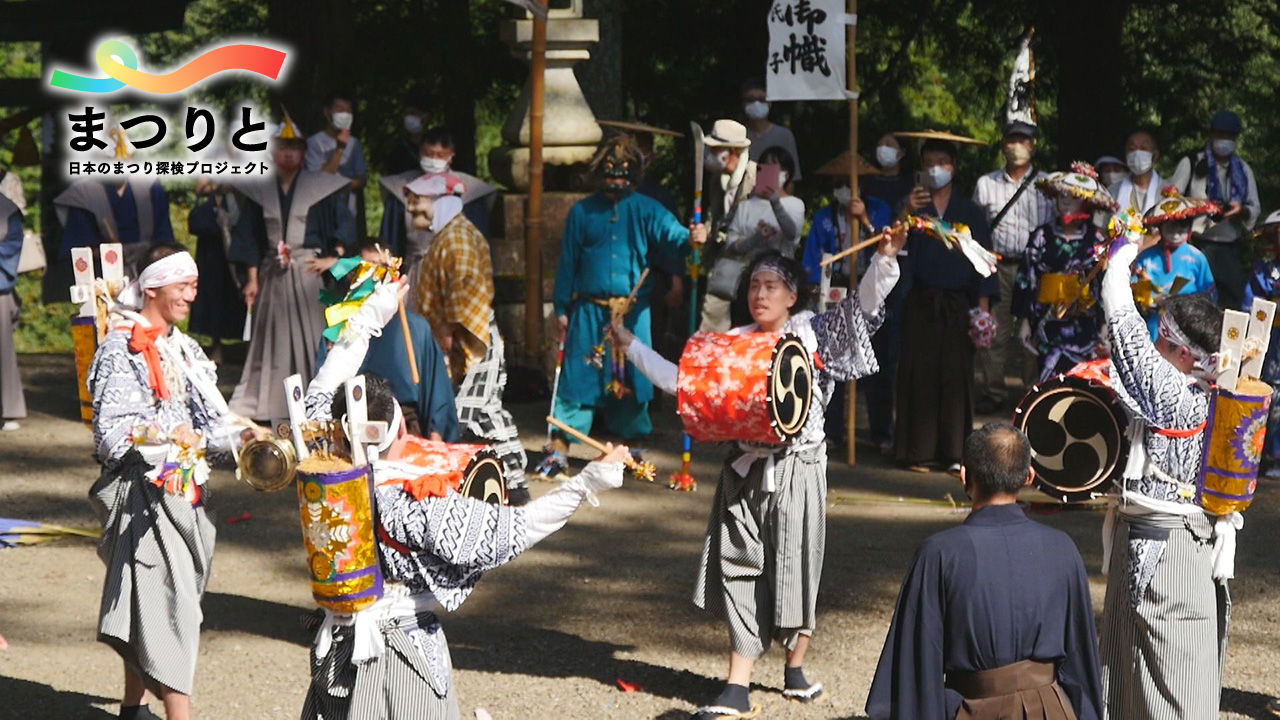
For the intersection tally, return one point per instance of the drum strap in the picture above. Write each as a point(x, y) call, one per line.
point(385, 538)
point(1182, 434)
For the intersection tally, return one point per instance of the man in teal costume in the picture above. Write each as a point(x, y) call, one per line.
point(609, 238)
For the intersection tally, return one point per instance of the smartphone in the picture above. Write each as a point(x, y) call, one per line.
point(766, 180)
point(920, 178)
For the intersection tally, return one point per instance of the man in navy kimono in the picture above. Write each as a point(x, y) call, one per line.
point(994, 612)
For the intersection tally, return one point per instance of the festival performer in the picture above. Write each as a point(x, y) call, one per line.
point(134, 213)
point(1173, 266)
point(1053, 295)
point(455, 293)
point(391, 660)
point(993, 613)
point(1264, 283)
point(292, 229)
point(398, 232)
point(762, 554)
point(157, 419)
point(13, 405)
point(1164, 620)
point(609, 239)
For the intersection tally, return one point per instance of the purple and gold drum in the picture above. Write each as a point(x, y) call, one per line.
point(336, 505)
point(84, 340)
point(1235, 433)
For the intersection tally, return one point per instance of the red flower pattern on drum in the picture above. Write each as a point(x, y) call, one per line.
point(723, 387)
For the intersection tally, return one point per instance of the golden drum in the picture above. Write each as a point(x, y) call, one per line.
point(338, 532)
point(1235, 433)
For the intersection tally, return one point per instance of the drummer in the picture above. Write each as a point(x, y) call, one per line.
point(1060, 321)
point(391, 660)
point(767, 494)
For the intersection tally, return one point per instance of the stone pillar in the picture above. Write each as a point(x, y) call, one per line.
point(570, 132)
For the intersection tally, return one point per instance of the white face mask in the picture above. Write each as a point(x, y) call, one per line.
point(341, 120)
point(887, 156)
point(842, 195)
point(939, 177)
point(757, 109)
point(1223, 148)
point(433, 165)
point(1139, 161)
point(782, 178)
point(412, 124)
point(1114, 177)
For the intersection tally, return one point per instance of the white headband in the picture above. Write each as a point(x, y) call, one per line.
point(168, 270)
point(1205, 362)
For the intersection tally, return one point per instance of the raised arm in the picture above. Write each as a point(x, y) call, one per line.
point(347, 355)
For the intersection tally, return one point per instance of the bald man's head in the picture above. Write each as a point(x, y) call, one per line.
point(997, 461)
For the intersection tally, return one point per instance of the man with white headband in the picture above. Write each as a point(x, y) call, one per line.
point(391, 660)
point(1163, 633)
point(157, 417)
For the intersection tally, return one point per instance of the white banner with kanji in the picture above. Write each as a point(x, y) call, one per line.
point(806, 50)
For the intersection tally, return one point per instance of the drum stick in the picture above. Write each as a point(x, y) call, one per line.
point(855, 248)
point(636, 290)
point(408, 345)
point(643, 470)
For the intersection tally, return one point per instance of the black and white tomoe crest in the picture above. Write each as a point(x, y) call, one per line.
point(1076, 431)
point(484, 478)
point(790, 386)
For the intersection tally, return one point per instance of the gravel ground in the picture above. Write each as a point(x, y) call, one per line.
point(604, 600)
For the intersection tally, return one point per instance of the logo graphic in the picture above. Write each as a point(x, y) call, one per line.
point(120, 63)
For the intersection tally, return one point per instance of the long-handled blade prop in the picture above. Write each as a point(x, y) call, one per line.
point(683, 480)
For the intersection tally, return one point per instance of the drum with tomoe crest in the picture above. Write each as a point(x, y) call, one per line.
point(1076, 426)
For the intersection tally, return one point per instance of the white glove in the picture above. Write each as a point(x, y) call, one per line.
point(374, 314)
point(550, 512)
point(1117, 295)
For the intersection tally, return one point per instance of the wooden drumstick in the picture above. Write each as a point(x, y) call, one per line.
point(408, 345)
point(855, 248)
point(643, 470)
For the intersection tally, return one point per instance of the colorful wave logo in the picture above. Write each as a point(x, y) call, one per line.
point(120, 63)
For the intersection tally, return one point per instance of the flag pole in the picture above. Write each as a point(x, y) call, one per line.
point(851, 79)
point(533, 203)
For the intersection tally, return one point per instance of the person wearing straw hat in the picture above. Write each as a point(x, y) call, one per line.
point(1264, 282)
point(935, 373)
point(731, 179)
point(1059, 320)
point(1172, 266)
point(157, 419)
point(132, 212)
point(292, 228)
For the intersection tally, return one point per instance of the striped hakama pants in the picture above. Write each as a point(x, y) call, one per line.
point(762, 555)
point(1162, 658)
point(411, 679)
point(157, 548)
point(481, 414)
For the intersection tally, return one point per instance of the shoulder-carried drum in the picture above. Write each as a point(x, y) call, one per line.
point(1076, 428)
point(473, 470)
point(750, 387)
point(337, 511)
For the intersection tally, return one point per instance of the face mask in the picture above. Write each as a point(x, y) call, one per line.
point(412, 124)
point(1068, 205)
point(1017, 154)
point(842, 195)
point(1139, 161)
point(341, 120)
point(1174, 238)
point(433, 165)
point(887, 156)
point(1113, 178)
point(1223, 148)
point(939, 177)
point(757, 110)
point(782, 178)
